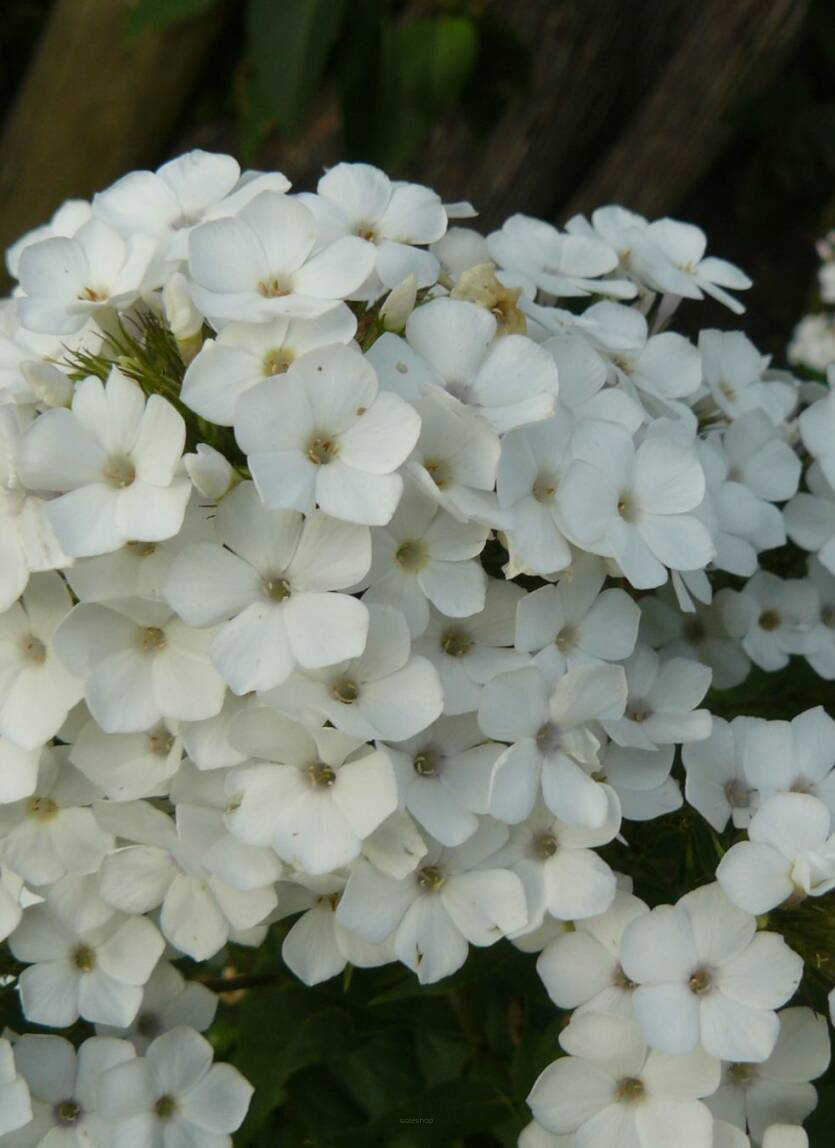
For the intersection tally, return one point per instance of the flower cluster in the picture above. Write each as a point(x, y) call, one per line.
point(360, 568)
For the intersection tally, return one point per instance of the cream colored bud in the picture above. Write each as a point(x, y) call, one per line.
point(183, 317)
point(210, 472)
point(399, 305)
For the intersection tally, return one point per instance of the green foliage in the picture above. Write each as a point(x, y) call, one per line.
point(288, 45)
point(158, 14)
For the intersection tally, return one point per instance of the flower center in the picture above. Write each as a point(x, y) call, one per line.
point(411, 556)
point(67, 1111)
point(630, 1090)
point(621, 981)
point(42, 808)
point(742, 1074)
point(545, 487)
point(278, 589)
point(148, 1025)
point(738, 794)
point(277, 361)
point(627, 508)
point(322, 450)
point(92, 295)
point(142, 549)
point(271, 288)
point(366, 231)
point(345, 691)
point(426, 763)
point(544, 846)
point(456, 643)
point(430, 878)
point(728, 391)
point(84, 959)
point(567, 639)
point(694, 631)
point(152, 639)
point(638, 711)
point(160, 744)
point(439, 471)
point(34, 649)
point(701, 982)
point(321, 775)
point(165, 1107)
point(769, 620)
point(548, 739)
point(119, 471)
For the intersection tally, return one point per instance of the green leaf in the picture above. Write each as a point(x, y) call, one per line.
point(429, 62)
point(441, 1114)
point(289, 42)
point(152, 15)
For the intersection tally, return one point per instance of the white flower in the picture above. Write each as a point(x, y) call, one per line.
point(139, 663)
point(778, 1090)
point(318, 946)
point(661, 704)
point(168, 1000)
point(175, 1095)
point(704, 974)
point(357, 199)
point(126, 766)
point(467, 652)
point(561, 265)
point(635, 505)
point(443, 777)
point(796, 756)
point(324, 435)
point(611, 1088)
point(274, 577)
point(456, 897)
point(36, 689)
point(774, 618)
point(558, 867)
point(12, 893)
point(810, 517)
point(785, 1136)
point(700, 634)
point(790, 854)
point(15, 1102)
point(670, 256)
point(245, 354)
point(165, 870)
point(817, 427)
point(167, 203)
point(717, 784)
point(452, 345)
point(384, 693)
point(533, 462)
point(425, 555)
point(264, 263)
point(66, 281)
point(581, 968)
point(212, 475)
point(552, 744)
point(577, 623)
point(734, 376)
point(27, 540)
point(84, 959)
point(327, 794)
point(641, 779)
point(113, 459)
point(53, 831)
point(64, 1086)
point(455, 460)
point(822, 655)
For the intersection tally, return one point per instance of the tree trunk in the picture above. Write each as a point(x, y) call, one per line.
point(93, 105)
point(726, 53)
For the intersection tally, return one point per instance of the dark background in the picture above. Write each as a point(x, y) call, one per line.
point(717, 111)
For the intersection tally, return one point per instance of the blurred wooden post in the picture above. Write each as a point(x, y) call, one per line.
point(93, 105)
point(726, 53)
